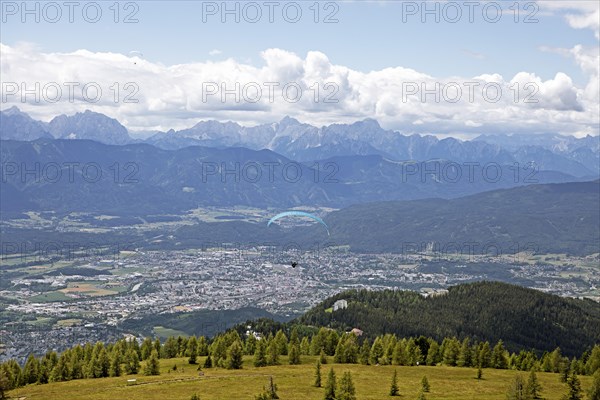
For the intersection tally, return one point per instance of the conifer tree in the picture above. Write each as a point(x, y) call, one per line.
point(533, 388)
point(273, 352)
point(432, 353)
point(516, 391)
point(330, 386)
point(192, 350)
point(152, 366)
point(268, 393)
point(376, 351)
point(594, 391)
point(281, 343)
point(322, 357)
point(260, 354)
point(75, 369)
point(4, 384)
point(451, 349)
point(250, 345)
point(272, 389)
point(115, 364)
point(104, 363)
point(305, 346)
point(234, 356)
point(202, 347)
point(425, 384)
point(593, 362)
point(346, 389)
point(574, 388)
point(484, 356)
point(365, 350)
point(394, 391)
point(499, 360)
point(30, 370)
point(146, 348)
point(132, 362)
point(464, 354)
point(294, 349)
point(171, 348)
point(60, 372)
point(294, 355)
point(157, 346)
point(339, 357)
point(413, 355)
point(318, 374)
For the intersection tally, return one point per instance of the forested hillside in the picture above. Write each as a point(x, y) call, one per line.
point(552, 218)
point(522, 318)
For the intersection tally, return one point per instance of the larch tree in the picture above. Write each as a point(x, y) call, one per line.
point(425, 385)
point(533, 388)
point(234, 356)
point(260, 354)
point(152, 366)
point(574, 391)
point(346, 389)
point(318, 374)
point(516, 391)
point(192, 350)
point(394, 391)
point(330, 386)
point(594, 391)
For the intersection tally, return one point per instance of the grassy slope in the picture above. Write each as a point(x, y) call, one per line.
point(294, 383)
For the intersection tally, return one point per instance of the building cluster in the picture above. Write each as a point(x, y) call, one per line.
point(158, 282)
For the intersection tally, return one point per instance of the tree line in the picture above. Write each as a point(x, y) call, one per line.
point(226, 350)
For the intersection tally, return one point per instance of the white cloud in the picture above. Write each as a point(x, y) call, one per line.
point(177, 96)
point(215, 52)
point(578, 14)
point(472, 124)
point(588, 59)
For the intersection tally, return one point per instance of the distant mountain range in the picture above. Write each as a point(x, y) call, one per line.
point(579, 157)
point(87, 176)
point(17, 125)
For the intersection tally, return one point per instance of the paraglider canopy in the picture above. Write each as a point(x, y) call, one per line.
point(298, 214)
point(136, 54)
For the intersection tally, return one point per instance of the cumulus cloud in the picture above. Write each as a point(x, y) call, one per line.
point(588, 60)
point(151, 96)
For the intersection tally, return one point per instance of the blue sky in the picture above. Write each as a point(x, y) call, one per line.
point(368, 37)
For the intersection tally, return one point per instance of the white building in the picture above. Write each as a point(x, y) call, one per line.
point(340, 305)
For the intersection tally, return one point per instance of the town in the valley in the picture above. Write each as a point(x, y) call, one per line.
point(102, 297)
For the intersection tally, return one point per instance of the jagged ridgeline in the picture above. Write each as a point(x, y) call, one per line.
point(522, 318)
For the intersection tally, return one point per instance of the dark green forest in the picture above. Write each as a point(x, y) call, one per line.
point(521, 317)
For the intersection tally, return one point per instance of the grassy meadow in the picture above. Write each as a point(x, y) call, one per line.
point(294, 382)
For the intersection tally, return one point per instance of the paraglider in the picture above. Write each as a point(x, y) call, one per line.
point(136, 54)
point(298, 214)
